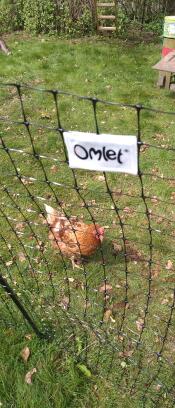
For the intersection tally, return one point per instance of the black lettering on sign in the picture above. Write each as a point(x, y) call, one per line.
point(92, 150)
point(111, 154)
point(107, 154)
point(83, 154)
point(120, 154)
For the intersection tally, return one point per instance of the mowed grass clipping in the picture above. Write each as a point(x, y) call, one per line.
point(88, 363)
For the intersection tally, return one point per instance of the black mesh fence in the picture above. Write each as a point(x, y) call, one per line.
point(115, 312)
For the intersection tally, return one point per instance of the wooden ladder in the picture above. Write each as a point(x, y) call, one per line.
point(104, 17)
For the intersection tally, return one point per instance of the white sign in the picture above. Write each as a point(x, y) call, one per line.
point(102, 152)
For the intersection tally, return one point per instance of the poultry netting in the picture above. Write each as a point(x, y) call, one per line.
point(116, 308)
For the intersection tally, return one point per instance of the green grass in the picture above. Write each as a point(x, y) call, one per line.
point(113, 71)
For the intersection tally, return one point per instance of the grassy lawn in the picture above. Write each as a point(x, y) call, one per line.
point(88, 363)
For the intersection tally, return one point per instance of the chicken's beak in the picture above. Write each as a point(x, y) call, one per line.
point(101, 238)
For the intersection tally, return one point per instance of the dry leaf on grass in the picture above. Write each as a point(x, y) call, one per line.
point(104, 288)
point(28, 376)
point(20, 226)
point(144, 147)
point(64, 303)
point(154, 200)
point(128, 210)
point(139, 324)
point(119, 305)
point(169, 265)
point(107, 315)
point(99, 178)
point(117, 247)
point(125, 353)
point(132, 253)
point(9, 263)
point(21, 257)
point(26, 181)
point(54, 169)
point(45, 115)
point(40, 246)
point(28, 336)
point(164, 301)
point(158, 136)
point(158, 387)
point(25, 354)
point(156, 271)
point(71, 280)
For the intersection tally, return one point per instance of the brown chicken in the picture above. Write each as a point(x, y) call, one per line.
point(73, 238)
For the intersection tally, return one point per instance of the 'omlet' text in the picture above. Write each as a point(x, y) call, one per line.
point(103, 153)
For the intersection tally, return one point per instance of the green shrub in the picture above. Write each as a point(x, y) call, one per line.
point(39, 17)
point(7, 16)
point(70, 27)
point(46, 16)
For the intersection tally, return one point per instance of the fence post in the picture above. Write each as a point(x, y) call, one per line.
point(19, 305)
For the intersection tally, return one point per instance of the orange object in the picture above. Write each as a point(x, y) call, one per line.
point(71, 237)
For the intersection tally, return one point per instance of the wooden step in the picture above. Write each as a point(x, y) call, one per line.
point(103, 17)
point(101, 28)
point(105, 4)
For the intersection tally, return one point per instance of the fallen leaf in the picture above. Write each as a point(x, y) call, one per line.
point(21, 257)
point(125, 353)
point(117, 247)
point(132, 253)
point(159, 220)
point(123, 364)
point(99, 178)
point(121, 338)
point(28, 336)
point(164, 301)
point(28, 376)
point(139, 324)
point(25, 354)
point(104, 288)
point(26, 181)
point(158, 387)
point(155, 170)
point(45, 115)
point(40, 246)
point(20, 226)
point(158, 136)
point(154, 199)
point(128, 210)
point(71, 280)
point(156, 271)
point(54, 169)
point(8, 263)
point(107, 315)
point(117, 193)
point(118, 305)
point(144, 147)
point(173, 196)
point(169, 265)
point(65, 303)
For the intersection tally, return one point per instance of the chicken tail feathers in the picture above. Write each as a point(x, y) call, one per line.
point(52, 214)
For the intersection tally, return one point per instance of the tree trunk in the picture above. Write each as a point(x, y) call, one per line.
point(170, 7)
